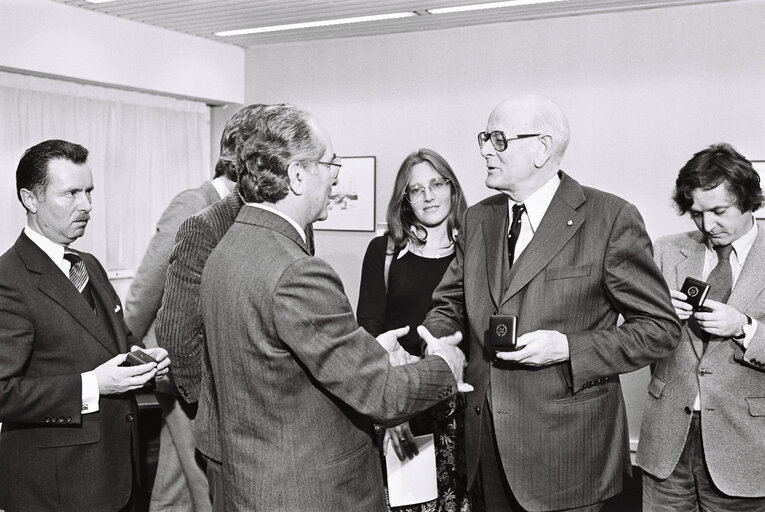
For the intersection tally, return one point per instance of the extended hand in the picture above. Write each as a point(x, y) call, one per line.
point(683, 310)
point(447, 348)
point(396, 353)
point(402, 440)
point(114, 379)
point(721, 319)
point(539, 348)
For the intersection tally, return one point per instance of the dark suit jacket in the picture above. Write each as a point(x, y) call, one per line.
point(179, 328)
point(51, 456)
point(561, 429)
point(732, 393)
point(296, 378)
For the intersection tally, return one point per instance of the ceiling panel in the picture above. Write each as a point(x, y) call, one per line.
point(206, 17)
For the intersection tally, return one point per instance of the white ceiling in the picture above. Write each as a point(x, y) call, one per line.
point(205, 17)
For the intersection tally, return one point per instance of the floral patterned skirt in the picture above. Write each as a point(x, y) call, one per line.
point(446, 422)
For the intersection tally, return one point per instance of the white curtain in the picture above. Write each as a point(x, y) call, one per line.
point(144, 149)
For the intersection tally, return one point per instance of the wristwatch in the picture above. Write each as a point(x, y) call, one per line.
point(745, 329)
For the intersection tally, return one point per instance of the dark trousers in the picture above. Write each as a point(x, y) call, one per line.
point(497, 495)
point(215, 481)
point(689, 488)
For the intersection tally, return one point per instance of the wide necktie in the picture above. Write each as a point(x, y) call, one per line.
point(515, 231)
point(720, 280)
point(78, 274)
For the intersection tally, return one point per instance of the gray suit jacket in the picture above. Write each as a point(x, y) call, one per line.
point(296, 378)
point(732, 393)
point(561, 429)
point(52, 457)
point(179, 325)
point(145, 294)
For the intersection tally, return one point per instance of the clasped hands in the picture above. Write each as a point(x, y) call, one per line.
point(446, 347)
point(114, 379)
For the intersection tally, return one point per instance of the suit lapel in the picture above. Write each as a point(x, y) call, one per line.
point(55, 285)
point(102, 294)
point(750, 282)
point(494, 227)
point(560, 222)
point(690, 262)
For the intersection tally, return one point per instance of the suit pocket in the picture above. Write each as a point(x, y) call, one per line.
point(87, 433)
point(656, 386)
point(568, 272)
point(583, 396)
point(756, 405)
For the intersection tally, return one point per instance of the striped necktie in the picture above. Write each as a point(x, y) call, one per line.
point(78, 274)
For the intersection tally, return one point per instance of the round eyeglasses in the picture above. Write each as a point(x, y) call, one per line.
point(438, 187)
point(499, 140)
point(334, 166)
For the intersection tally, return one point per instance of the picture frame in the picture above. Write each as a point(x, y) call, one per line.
point(352, 199)
point(759, 166)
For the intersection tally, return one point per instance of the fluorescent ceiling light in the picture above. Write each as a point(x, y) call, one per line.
point(99, 1)
point(314, 24)
point(490, 5)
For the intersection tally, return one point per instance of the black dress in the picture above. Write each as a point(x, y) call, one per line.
point(411, 281)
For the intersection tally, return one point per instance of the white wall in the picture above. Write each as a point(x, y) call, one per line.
point(53, 39)
point(643, 90)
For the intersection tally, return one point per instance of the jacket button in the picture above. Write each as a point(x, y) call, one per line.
point(688, 410)
point(477, 410)
point(46, 420)
point(129, 418)
point(68, 419)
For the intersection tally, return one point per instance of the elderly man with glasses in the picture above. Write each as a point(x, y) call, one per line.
point(557, 263)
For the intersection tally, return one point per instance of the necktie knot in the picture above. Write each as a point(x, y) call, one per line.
point(518, 210)
point(723, 251)
point(78, 274)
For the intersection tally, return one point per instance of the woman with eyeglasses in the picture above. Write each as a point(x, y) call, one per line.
point(400, 271)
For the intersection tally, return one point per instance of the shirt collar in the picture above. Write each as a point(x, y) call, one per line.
point(284, 216)
point(220, 187)
point(538, 202)
point(54, 251)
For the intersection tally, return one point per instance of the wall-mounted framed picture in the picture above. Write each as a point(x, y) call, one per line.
point(759, 166)
point(352, 200)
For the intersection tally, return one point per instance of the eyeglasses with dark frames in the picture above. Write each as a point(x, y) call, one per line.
point(334, 166)
point(499, 140)
point(438, 187)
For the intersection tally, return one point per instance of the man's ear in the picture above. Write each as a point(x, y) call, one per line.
point(545, 150)
point(29, 200)
point(297, 176)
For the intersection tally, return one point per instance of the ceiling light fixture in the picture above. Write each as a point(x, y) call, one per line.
point(99, 1)
point(314, 24)
point(490, 5)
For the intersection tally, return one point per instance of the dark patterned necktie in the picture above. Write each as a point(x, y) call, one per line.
point(720, 281)
point(515, 230)
point(78, 274)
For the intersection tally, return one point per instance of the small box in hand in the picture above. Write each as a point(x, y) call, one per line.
point(502, 332)
point(138, 357)
point(696, 291)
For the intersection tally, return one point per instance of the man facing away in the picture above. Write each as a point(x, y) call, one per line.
point(296, 378)
point(702, 440)
point(69, 432)
point(546, 427)
point(180, 481)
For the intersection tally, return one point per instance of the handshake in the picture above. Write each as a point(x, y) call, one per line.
point(445, 347)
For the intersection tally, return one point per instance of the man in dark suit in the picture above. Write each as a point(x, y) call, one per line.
point(180, 480)
point(69, 432)
point(546, 427)
point(702, 441)
point(296, 378)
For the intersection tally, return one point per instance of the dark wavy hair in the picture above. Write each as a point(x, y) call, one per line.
point(286, 136)
point(719, 163)
point(32, 172)
point(243, 125)
point(400, 214)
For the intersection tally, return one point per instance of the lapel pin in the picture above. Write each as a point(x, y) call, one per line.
point(570, 222)
point(117, 308)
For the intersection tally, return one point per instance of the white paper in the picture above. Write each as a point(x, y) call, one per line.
point(412, 481)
